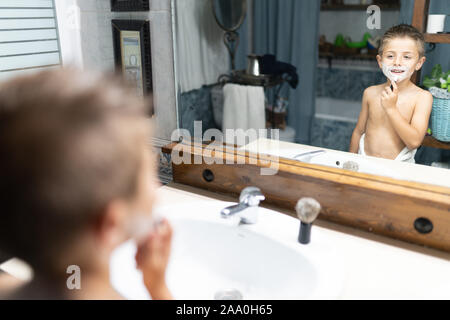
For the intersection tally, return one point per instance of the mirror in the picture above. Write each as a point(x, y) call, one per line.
point(229, 14)
point(300, 73)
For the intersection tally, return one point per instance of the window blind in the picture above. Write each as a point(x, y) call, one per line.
point(28, 37)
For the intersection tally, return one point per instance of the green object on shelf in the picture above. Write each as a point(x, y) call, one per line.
point(340, 41)
point(361, 44)
point(437, 78)
point(429, 131)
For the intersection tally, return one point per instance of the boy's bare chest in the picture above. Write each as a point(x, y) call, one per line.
point(405, 106)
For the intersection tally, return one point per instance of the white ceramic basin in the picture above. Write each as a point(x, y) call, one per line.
point(364, 165)
point(337, 160)
point(217, 258)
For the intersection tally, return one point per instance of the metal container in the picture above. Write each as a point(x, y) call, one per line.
point(253, 67)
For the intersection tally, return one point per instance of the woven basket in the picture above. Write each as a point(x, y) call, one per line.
point(440, 119)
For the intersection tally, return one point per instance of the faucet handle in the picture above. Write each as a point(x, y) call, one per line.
point(251, 196)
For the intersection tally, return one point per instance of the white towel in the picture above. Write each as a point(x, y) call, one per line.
point(243, 108)
point(405, 155)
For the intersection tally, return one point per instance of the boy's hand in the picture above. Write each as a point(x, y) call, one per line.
point(389, 97)
point(152, 257)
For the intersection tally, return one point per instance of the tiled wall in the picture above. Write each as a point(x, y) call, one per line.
point(346, 84)
point(331, 134)
point(196, 105)
point(342, 84)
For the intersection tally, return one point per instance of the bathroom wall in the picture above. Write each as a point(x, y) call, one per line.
point(335, 22)
point(95, 32)
point(96, 35)
point(86, 39)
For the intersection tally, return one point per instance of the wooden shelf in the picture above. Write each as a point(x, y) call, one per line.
point(356, 7)
point(359, 56)
point(429, 141)
point(437, 38)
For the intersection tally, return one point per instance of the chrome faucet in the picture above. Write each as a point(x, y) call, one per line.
point(307, 156)
point(247, 208)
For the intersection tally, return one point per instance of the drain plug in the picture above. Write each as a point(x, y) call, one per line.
point(228, 294)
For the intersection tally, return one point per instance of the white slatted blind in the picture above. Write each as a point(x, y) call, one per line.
point(28, 37)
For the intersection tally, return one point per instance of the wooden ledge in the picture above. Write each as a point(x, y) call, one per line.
point(437, 38)
point(429, 141)
point(381, 205)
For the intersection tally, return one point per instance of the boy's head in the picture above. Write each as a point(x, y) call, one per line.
point(75, 167)
point(401, 52)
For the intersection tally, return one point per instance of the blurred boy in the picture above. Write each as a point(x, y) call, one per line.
point(395, 115)
point(77, 179)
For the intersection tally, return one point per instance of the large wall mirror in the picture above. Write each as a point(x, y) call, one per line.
point(296, 75)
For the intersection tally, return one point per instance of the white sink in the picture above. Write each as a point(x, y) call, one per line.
point(338, 159)
point(217, 258)
point(363, 165)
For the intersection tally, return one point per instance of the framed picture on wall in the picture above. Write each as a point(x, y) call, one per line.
point(132, 53)
point(130, 5)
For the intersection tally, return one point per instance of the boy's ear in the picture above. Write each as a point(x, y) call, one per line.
point(379, 61)
point(109, 229)
point(419, 64)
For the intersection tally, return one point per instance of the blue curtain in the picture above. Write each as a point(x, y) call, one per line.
point(289, 30)
point(242, 50)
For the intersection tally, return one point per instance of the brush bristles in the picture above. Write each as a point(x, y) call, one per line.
point(307, 210)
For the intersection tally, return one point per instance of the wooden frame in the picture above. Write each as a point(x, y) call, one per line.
point(132, 53)
point(409, 211)
point(130, 5)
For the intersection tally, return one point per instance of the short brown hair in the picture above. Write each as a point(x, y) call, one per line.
point(70, 142)
point(402, 31)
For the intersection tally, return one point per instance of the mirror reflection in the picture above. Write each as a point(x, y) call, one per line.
point(345, 84)
point(229, 14)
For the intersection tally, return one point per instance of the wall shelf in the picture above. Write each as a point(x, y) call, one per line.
point(356, 7)
point(429, 141)
point(437, 38)
point(359, 56)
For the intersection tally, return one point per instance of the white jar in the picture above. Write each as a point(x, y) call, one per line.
point(436, 23)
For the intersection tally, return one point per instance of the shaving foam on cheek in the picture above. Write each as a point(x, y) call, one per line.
point(141, 226)
point(387, 70)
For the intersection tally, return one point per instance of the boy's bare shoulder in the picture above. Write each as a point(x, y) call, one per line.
point(373, 90)
point(423, 94)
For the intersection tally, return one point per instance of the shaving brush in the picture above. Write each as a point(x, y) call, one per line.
point(307, 211)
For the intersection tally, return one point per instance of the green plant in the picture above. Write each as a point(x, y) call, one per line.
point(437, 79)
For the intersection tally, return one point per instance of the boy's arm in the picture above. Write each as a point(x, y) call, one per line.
point(411, 134)
point(361, 125)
